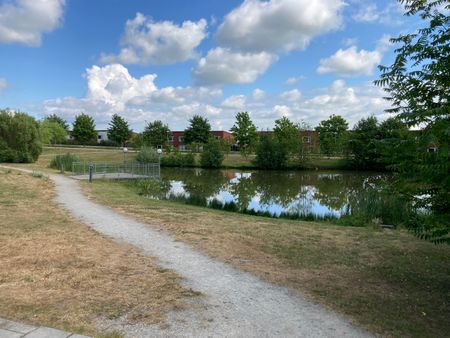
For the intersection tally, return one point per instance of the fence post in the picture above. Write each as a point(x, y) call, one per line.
point(62, 168)
point(91, 170)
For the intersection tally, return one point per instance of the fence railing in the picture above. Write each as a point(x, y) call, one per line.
point(128, 169)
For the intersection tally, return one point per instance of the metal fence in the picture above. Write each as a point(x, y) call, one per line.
point(115, 170)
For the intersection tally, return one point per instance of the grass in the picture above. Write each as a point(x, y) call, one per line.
point(387, 281)
point(57, 272)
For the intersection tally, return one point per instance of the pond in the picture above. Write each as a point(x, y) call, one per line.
point(317, 193)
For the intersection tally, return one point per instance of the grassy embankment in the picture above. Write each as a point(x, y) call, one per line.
point(232, 160)
point(387, 281)
point(56, 271)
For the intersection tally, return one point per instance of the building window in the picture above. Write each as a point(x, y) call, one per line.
point(307, 139)
point(99, 137)
point(217, 137)
point(171, 138)
point(181, 147)
point(180, 138)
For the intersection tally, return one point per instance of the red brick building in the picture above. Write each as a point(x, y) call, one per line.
point(176, 140)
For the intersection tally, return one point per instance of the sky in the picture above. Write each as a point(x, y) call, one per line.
point(169, 60)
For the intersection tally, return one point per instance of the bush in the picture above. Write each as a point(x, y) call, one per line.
point(19, 138)
point(147, 155)
point(177, 159)
point(65, 160)
point(212, 155)
point(108, 143)
point(270, 154)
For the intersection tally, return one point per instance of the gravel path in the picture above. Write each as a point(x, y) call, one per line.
point(233, 303)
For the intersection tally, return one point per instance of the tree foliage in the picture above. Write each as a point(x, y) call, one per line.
point(245, 133)
point(212, 155)
point(332, 135)
point(51, 132)
point(288, 135)
point(84, 129)
point(119, 130)
point(19, 137)
point(156, 133)
point(55, 118)
point(270, 153)
point(199, 130)
point(417, 84)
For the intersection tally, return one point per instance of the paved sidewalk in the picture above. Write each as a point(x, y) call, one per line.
point(10, 329)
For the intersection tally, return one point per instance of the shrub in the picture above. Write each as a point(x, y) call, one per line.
point(270, 154)
point(108, 143)
point(147, 155)
point(212, 155)
point(19, 138)
point(177, 159)
point(65, 160)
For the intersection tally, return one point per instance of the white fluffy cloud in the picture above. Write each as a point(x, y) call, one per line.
point(350, 62)
point(258, 94)
point(146, 42)
point(235, 102)
point(278, 25)
point(3, 84)
point(294, 80)
point(291, 95)
point(368, 12)
point(222, 65)
point(24, 21)
point(112, 89)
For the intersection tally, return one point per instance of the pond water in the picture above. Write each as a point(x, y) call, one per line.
point(320, 193)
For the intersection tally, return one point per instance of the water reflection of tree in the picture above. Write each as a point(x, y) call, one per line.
point(198, 182)
point(244, 189)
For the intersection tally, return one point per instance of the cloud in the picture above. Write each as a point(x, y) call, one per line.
point(3, 84)
point(112, 89)
point(294, 80)
point(278, 25)
point(222, 66)
point(368, 12)
point(24, 21)
point(291, 95)
point(234, 102)
point(350, 62)
point(258, 94)
point(146, 42)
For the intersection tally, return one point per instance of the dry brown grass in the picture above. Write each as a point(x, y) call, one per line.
point(56, 271)
point(389, 282)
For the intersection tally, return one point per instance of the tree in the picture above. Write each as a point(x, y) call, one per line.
point(19, 137)
point(332, 135)
point(417, 84)
point(84, 129)
point(119, 131)
point(51, 132)
point(212, 155)
point(245, 133)
point(199, 130)
point(288, 135)
point(156, 133)
point(55, 118)
point(270, 154)
point(363, 144)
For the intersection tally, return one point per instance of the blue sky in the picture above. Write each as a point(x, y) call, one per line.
point(169, 60)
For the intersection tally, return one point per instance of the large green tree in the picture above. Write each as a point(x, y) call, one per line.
point(417, 84)
point(287, 134)
point(156, 133)
point(199, 130)
point(212, 155)
point(270, 154)
point(84, 129)
point(245, 133)
point(332, 135)
point(119, 131)
point(19, 137)
point(363, 144)
point(51, 132)
point(55, 118)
